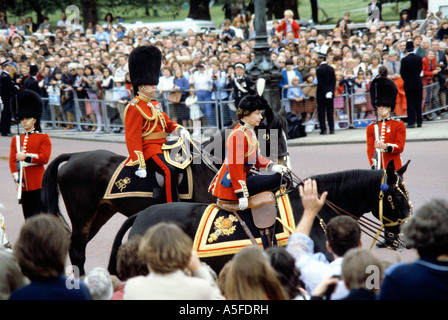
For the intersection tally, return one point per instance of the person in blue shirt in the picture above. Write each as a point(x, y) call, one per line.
point(427, 277)
point(286, 81)
point(41, 251)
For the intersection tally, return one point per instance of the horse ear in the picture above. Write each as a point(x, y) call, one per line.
point(403, 169)
point(390, 171)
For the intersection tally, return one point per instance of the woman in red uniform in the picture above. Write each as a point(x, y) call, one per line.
point(234, 180)
point(391, 131)
point(34, 153)
point(145, 124)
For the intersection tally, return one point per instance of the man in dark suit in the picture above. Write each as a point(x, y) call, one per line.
point(31, 83)
point(326, 82)
point(7, 92)
point(411, 68)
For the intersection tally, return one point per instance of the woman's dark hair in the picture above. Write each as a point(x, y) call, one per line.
point(42, 247)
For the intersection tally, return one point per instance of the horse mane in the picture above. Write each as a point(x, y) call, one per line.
point(349, 184)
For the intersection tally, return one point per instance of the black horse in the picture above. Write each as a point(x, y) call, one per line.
point(83, 180)
point(355, 191)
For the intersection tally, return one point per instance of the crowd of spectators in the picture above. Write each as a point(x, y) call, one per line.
point(92, 62)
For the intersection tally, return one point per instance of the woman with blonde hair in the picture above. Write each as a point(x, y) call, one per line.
point(167, 250)
point(251, 277)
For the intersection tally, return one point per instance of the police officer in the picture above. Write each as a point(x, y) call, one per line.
point(242, 85)
point(7, 88)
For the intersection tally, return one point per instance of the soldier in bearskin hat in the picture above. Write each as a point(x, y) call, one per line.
point(234, 180)
point(389, 144)
point(146, 124)
point(29, 154)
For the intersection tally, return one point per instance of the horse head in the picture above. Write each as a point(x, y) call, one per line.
point(397, 204)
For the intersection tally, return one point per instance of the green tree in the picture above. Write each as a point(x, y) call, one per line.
point(21, 8)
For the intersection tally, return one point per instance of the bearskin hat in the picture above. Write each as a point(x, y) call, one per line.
point(383, 92)
point(252, 102)
point(144, 66)
point(27, 104)
point(33, 70)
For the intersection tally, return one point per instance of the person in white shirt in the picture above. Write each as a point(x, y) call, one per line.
point(165, 86)
point(314, 267)
point(202, 82)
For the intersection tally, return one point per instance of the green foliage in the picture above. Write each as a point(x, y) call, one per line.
point(144, 10)
point(20, 8)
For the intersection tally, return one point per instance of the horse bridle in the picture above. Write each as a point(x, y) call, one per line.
point(365, 223)
point(384, 221)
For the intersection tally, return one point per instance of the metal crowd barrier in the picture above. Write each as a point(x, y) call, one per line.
point(106, 116)
point(355, 110)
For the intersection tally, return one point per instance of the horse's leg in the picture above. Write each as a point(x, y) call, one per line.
point(82, 215)
point(101, 216)
point(77, 250)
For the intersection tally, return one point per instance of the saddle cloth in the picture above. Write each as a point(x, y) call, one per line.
point(124, 183)
point(220, 233)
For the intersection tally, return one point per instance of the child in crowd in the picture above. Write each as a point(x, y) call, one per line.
point(296, 97)
point(195, 111)
point(359, 98)
point(339, 97)
point(309, 88)
point(54, 91)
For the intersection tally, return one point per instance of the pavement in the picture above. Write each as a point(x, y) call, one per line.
point(430, 131)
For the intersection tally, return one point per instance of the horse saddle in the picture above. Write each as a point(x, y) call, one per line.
point(124, 183)
point(262, 205)
point(177, 153)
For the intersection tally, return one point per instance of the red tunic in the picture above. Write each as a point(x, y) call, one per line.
point(37, 147)
point(242, 153)
point(393, 133)
point(145, 126)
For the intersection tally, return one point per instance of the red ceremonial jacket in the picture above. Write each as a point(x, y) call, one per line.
point(242, 153)
point(393, 133)
point(37, 147)
point(145, 128)
point(283, 27)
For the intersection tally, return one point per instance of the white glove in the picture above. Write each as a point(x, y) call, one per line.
point(329, 95)
point(278, 168)
point(185, 134)
point(141, 173)
point(243, 203)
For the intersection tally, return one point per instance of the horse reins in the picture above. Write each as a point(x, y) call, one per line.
point(366, 224)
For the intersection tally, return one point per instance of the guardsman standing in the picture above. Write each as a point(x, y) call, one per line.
point(146, 125)
point(33, 153)
point(391, 131)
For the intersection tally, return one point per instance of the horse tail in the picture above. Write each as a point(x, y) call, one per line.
point(50, 190)
point(112, 267)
